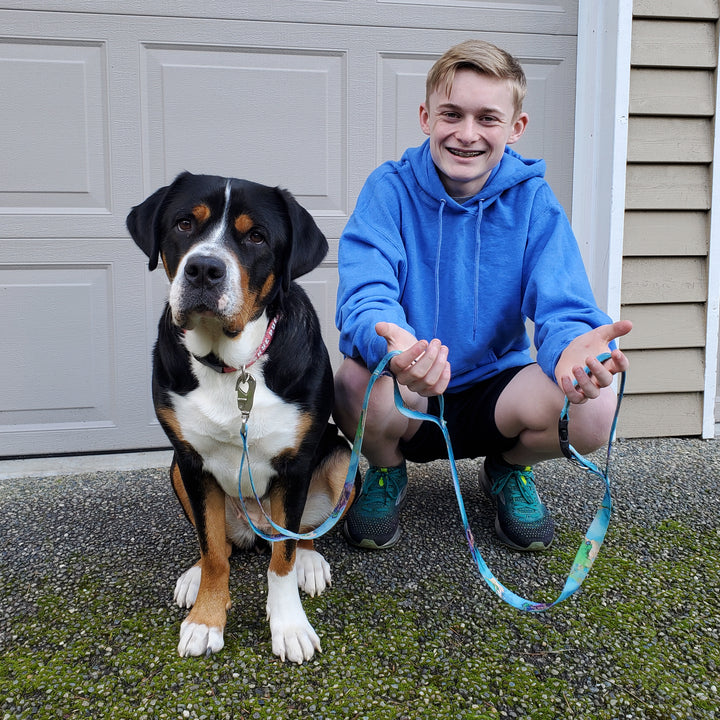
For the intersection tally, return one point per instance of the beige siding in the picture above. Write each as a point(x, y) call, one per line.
point(658, 327)
point(668, 197)
point(676, 92)
point(677, 370)
point(679, 140)
point(666, 233)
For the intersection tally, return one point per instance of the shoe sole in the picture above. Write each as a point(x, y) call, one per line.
point(504, 539)
point(368, 543)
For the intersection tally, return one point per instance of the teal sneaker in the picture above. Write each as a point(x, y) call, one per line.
point(522, 521)
point(373, 521)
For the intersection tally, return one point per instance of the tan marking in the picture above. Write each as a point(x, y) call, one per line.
point(267, 287)
point(213, 599)
point(243, 223)
point(201, 213)
point(179, 487)
point(168, 419)
point(328, 479)
point(306, 544)
point(165, 265)
point(248, 309)
point(303, 427)
point(283, 553)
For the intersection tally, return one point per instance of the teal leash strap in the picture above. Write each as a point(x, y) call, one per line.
point(592, 541)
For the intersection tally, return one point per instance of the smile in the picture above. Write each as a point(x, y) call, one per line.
point(465, 153)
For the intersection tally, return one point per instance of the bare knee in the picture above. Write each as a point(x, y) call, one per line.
point(591, 422)
point(351, 382)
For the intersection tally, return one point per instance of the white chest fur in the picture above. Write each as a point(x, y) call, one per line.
point(211, 422)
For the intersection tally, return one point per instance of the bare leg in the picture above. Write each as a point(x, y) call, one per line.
point(529, 408)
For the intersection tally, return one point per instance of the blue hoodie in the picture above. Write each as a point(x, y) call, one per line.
point(467, 274)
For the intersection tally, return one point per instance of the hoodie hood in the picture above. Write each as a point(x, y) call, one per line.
point(416, 166)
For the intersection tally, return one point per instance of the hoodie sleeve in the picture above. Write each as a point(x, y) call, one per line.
point(372, 268)
point(556, 292)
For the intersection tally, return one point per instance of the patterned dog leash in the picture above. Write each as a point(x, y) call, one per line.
point(595, 534)
point(589, 547)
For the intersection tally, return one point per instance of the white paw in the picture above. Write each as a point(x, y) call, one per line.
point(198, 639)
point(293, 638)
point(313, 572)
point(187, 586)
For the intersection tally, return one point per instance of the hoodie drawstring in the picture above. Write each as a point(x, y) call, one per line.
point(476, 289)
point(437, 267)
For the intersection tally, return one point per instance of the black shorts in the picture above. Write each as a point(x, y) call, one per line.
point(470, 418)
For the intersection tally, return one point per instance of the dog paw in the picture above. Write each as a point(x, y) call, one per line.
point(187, 586)
point(197, 639)
point(295, 641)
point(293, 638)
point(313, 572)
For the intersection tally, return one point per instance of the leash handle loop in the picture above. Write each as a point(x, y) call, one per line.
point(593, 539)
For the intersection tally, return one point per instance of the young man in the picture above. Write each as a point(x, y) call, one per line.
point(447, 253)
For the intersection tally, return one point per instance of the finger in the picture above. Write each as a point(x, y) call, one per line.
point(436, 379)
point(408, 360)
point(436, 371)
point(571, 390)
point(585, 383)
point(600, 373)
point(616, 329)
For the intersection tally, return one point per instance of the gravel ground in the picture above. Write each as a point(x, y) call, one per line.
point(88, 629)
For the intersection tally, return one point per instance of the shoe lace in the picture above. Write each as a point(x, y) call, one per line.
point(519, 489)
point(381, 489)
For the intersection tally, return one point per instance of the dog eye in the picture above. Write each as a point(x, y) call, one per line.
point(184, 225)
point(256, 237)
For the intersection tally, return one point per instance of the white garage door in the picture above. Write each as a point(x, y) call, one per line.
point(103, 102)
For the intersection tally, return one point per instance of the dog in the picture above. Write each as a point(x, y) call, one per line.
point(237, 325)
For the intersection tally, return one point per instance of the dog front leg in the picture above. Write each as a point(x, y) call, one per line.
point(201, 632)
point(293, 638)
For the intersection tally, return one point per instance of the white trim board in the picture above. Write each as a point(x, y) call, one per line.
point(600, 158)
point(712, 319)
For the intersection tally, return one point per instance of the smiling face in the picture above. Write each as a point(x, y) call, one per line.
point(469, 129)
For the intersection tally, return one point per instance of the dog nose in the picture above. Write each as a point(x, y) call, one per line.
point(204, 271)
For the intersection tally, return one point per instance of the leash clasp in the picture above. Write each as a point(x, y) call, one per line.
point(245, 389)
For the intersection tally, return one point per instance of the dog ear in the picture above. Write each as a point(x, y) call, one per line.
point(142, 224)
point(308, 245)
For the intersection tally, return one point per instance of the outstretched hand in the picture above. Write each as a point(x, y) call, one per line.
point(582, 352)
point(422, 366)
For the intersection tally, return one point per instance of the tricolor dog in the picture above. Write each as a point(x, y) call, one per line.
point(237, 326)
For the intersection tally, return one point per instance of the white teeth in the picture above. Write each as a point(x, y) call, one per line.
point(465, 153)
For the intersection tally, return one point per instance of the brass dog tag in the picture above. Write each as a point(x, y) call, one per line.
point(245, 388)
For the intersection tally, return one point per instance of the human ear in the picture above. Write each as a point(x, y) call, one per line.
point(519, 125)
point(424, 118)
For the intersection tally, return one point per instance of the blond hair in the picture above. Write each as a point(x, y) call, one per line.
point(482, 57)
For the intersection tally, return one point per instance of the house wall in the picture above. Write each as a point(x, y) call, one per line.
point(666, 257)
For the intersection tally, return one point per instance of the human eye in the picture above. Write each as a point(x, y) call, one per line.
point(450, 115)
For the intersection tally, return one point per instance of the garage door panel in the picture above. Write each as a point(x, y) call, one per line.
point(274, 116)
point(47, 379)
point(53, 148)
point(531, 16)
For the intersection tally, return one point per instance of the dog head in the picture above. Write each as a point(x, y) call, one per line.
point(229, 247)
